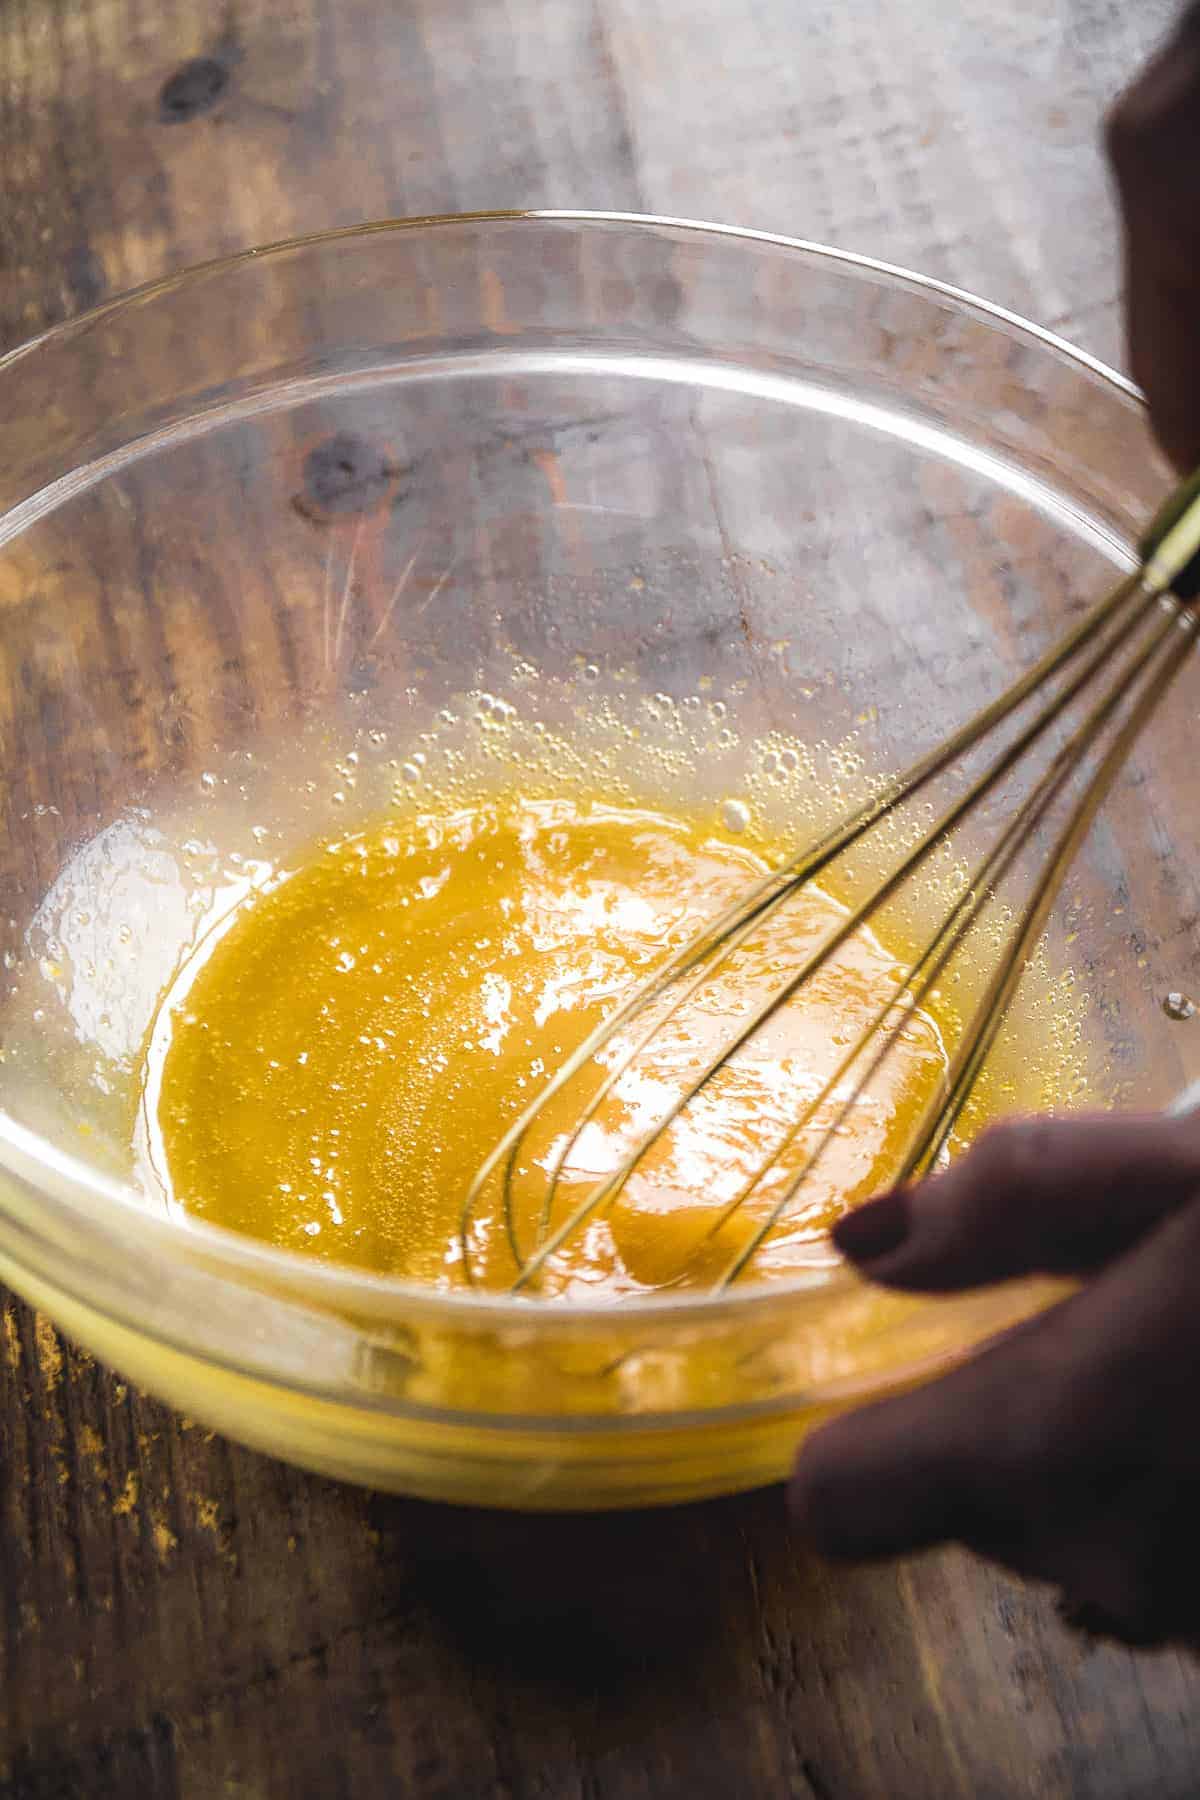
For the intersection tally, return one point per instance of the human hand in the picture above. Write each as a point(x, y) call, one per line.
point(1069, 1449)
point(1153, 138)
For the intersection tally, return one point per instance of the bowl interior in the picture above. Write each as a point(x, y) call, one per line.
point(273, 529)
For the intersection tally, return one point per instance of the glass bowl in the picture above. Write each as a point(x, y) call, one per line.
point(305, 499)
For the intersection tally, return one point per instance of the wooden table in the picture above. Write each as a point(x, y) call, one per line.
point(183, 1618)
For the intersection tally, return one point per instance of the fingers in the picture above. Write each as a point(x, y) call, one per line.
point(929, 1466)
point(1066, 1450)
point(1153, 140)
point(1130, 1571)
point(1033, 1196)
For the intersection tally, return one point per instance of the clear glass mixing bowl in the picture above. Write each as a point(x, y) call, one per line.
point(307, 497)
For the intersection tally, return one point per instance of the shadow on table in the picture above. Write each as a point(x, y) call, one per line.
point(586, 1600)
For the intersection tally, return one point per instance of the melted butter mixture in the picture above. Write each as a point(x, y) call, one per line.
point(329, 1073)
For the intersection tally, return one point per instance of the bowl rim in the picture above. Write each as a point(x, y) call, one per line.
point(897, 273)
point(63, 1180)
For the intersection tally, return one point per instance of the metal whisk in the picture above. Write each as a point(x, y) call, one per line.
point(1115, 666)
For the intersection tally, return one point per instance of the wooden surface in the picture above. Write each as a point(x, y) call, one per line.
point(182, 1618)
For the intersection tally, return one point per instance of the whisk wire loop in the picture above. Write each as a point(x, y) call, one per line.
point(1118, 642)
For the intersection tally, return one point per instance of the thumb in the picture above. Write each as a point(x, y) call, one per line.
point(1043, 1196)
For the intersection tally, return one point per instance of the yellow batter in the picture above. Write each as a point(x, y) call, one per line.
point(332, 1070)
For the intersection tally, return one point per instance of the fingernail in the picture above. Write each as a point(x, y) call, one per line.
point(874, 1229)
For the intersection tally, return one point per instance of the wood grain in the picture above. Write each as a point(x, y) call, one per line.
point(182, 1619)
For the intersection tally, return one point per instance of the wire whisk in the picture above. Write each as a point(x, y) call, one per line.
point(1109, 674)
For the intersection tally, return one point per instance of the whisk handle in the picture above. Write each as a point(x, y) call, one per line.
point(1170, 550)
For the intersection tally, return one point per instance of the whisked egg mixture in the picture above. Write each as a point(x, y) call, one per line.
point(332, 1072)
point(330, 1067)
point(316, 1036)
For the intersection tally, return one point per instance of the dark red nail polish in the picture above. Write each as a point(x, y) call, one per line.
point(874, 1229)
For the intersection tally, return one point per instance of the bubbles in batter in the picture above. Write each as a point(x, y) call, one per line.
point(329, 1070)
